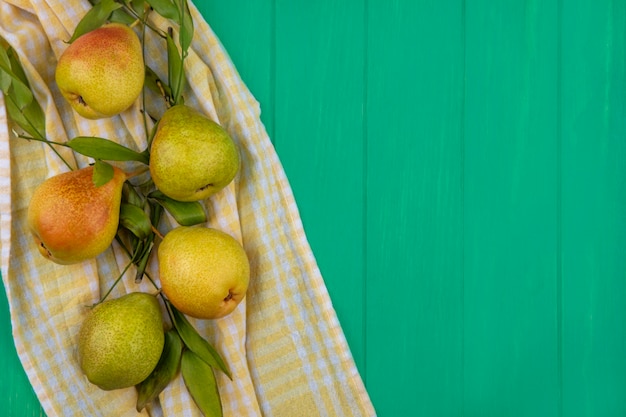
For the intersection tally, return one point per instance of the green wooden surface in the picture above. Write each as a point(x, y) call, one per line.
point(460, 168)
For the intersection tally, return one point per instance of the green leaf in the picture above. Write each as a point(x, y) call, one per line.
point(122, 16)
point(17, 86)
point(144, 257)
point(94, 18)
point(106, 149)
point(138, 6)
point(165, 8)
point(36, 119)
point(165, 371)
point(186, 26)
point(16, 66)
point(31, 119)
point(201, 383)
point(155, 215)
point(131, 196)
point(21, 93)
point(197, 343)
point(21, 86)
point(102, 173)
point(154, 83)
point(15, 113)
point(185, 213)
point(135, 220)
point(5, 79)
point(176, 74)
point(22, 108)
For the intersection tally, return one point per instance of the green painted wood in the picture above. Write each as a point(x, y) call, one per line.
point(510, 209)
point(247, 35)
point(414, 169)
point(459, 167)
point(593, 206)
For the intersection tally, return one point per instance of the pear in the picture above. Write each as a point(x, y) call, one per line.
point(73, 220)
point(102, 72)
point(191, 156)
point(121, 340)
point(204, 272)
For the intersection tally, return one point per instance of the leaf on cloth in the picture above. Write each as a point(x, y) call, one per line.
point(165, 8)
point(101, 148)
point(155, 84)
point(175, 72)
point(102, 173)
point(135, 220)
point(165, 371)
point(186, 26)
point(201, 383)
point(94, 18)
point(14, 80)
point(131, 196)
point(21, 106)
point(197, 343)
point(185, 213)
point(30, 119)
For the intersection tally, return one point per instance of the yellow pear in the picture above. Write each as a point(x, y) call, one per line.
point(204, 272)
point(102, 72)
point(121, 340)
point(73, 220)
point(191, 157)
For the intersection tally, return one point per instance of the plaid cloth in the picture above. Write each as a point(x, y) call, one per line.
point(284, 344)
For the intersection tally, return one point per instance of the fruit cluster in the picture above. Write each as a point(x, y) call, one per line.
point(77, 215)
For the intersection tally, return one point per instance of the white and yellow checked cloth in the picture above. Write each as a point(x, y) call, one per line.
point(284, 344)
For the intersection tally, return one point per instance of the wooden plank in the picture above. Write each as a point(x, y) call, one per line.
point(594, 207)
point(414, 207)
point(511, 211)
point(245, 28)
point(318, 134)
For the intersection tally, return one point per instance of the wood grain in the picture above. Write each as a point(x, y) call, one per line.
point(414, 258)
point(511, 217)
point(593, 207)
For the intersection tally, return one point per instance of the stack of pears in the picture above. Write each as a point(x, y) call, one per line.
point(204, 272)
point(101, 74)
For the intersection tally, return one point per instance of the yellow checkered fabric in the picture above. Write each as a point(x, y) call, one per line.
point(284, 344)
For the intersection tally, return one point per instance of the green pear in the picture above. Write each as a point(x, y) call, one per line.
point(102, 72)
point(71, 218)
point(204, 272)
point(191, 156)
point(121, 340)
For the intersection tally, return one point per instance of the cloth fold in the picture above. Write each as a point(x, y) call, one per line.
point(283, 343)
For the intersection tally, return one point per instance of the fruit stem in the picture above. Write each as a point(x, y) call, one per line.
point(168, 103)
point(159, 292)
point(143, 90)
point(49, 143)
point(115, 283)
point(156, 231)
point(138, 18)
point(168, 308)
